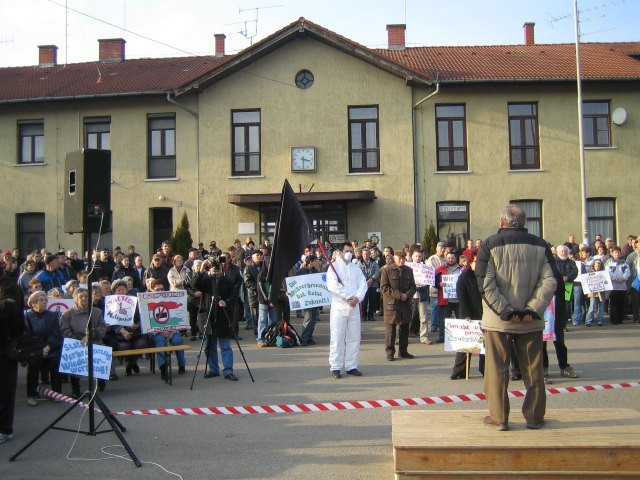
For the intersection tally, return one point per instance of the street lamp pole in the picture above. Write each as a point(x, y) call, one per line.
point(583, 172)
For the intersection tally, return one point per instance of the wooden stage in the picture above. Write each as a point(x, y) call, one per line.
point(574, 444)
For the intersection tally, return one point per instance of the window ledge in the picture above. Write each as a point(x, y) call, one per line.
point(241, 177)
point(527, 170)
point(355, 174)
point(167, 179)
point(34, 164)
point(455, 172)
point(602, 148)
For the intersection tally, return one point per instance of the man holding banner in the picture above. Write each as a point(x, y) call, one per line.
point(349, 287)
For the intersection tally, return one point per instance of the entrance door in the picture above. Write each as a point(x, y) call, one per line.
point(161, 227)
point(328, 220)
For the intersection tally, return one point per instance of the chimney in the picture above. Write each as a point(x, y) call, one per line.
point(111, 49)
point(48, 56)
point(395, 34)
point(528, 33)
point(220, 44)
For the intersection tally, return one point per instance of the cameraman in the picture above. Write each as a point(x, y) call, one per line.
point(218, 293)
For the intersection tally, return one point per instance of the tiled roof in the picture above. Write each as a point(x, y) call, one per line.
point(78, 80)
point(521, 62)
point(416, 64)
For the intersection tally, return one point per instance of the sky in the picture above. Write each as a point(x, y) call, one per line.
point(170, 28)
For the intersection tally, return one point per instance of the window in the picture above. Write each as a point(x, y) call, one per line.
point(524, 151)
point(97, 133)
point(601, 217)
point(533, 211)
point(30, 231)
point(304, 79)
point(162, 146)
point(595, 124)
point(453, 223)
point(364, 150)
point(161, 226)
point(245, 143)
point(451, 137)
point(31, 142)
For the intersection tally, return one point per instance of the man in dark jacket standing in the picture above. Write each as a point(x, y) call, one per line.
point(250, 278)
point(11, 325)
point(398, 288)
point(516, 281)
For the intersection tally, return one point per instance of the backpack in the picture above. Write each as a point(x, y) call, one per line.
point(281, 334)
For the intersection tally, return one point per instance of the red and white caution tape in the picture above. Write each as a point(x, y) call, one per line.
point(335, 406)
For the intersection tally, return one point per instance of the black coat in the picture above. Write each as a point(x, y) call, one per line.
point(214, 290)
point(11, 311)
point(469, 298)
point(46, 326)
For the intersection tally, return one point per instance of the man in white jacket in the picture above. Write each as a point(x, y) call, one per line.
point(348, 287)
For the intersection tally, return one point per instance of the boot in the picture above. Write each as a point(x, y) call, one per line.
point(163, 373)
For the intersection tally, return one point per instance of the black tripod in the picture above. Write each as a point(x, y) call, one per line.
point(208, 339)
point(94, 400)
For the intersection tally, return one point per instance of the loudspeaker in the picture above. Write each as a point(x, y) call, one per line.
point(87, 191)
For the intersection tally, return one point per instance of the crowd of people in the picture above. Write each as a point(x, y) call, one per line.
point(229, 288)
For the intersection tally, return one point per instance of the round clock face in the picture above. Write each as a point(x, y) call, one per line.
point(303, 158)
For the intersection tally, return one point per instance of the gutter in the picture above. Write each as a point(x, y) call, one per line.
point(415, 158)
point(197, 118)
point(79, 97)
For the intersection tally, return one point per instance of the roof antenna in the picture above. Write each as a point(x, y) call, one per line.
point(249, 31)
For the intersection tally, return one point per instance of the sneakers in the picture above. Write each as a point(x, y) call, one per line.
point(231, 377)
point(355, 372)
point(5, 437)
point(390, 357)
point(407, 356)
point(261, 344)
point(426, 341)
point(490, 422)
point(32, 401)
point(568, 372)
point(336, 374)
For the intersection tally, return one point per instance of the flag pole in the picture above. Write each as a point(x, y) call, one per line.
point(324, 254)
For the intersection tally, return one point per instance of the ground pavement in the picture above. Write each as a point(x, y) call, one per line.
point(344, 444)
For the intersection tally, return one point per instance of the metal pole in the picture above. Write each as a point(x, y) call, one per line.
point(583, 172)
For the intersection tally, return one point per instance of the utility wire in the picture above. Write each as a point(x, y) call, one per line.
point(122, 28)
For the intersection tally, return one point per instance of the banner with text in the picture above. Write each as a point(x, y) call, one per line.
point(596, 282)
point(423, 274)
point(73, 359)
point(463, 336)
point(449, 286)
point(163, 311)
point(120, 310)
point(308, 291)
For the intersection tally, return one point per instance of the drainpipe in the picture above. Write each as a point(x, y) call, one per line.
point(415, 158)
point(197, 117)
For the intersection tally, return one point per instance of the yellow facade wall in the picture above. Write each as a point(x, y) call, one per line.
point(489, 184)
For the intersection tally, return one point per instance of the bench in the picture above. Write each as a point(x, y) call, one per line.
point(166, 351)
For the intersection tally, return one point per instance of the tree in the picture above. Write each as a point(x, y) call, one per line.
point(430, 240)
point(181, 240)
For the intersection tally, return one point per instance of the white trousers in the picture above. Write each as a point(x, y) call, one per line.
point(345, 336)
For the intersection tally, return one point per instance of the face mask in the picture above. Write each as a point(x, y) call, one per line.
point(347, 256)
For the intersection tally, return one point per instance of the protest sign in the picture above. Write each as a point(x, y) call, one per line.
point(423, 274)
point(308, 291)
point(549, 334)
point(161, 311)
point(463, 336)
point(73, 359)
point(595, 282)
point(449, 286)
point(120, 310)
point(59, 305)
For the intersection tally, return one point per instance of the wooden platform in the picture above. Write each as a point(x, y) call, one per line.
point(574, 444)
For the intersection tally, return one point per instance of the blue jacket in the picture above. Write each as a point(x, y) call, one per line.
point(46, 326)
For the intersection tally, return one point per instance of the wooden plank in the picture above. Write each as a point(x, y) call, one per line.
point(144, 351)
point(458, 475)
point(442, 442)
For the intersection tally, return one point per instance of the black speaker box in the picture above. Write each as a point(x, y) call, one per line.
point(87, 191)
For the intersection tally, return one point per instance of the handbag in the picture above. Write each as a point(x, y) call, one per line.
point(27, 348)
